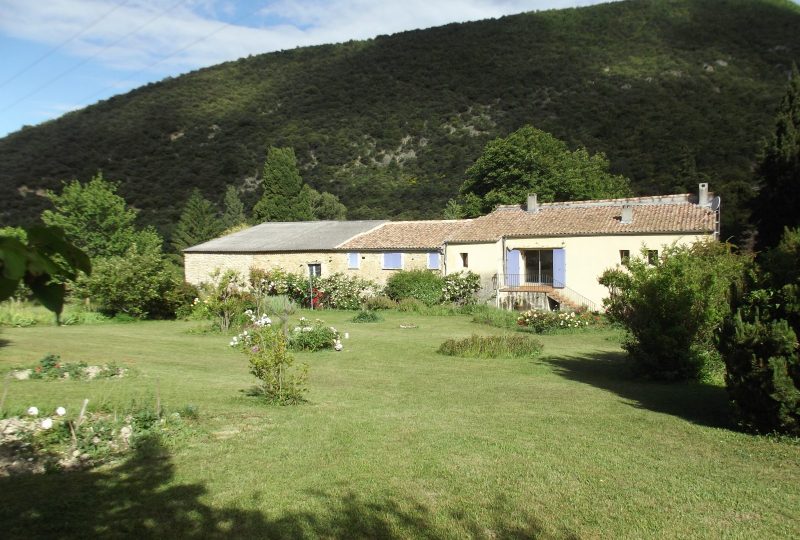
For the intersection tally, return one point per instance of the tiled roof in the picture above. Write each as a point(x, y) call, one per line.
point(562, 220)
point(407, 235)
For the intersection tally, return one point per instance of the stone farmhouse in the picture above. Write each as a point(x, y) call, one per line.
point(543, 255)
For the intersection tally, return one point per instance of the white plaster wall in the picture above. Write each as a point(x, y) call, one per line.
point(485, 259)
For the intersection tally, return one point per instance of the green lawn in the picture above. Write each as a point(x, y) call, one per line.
point(398, 441)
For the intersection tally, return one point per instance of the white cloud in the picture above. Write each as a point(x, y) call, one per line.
point(139, 33)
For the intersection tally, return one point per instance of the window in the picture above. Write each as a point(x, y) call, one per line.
point(464, 260)
point(652, 256)
point(624, 256)
point(433, 260)
point(392, 261)
point(352, 261)
point(315, 269)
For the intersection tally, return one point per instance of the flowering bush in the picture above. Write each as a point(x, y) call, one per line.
point(267, 350)
point(277, 282)
point(461, 287)
point(542, 322)
point(225, 298)
point(314, 336)
point(344, 292)
point(337, 291)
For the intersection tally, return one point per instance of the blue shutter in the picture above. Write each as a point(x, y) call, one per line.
point(512, 268)
point(433, 260)
point(392, 261)
point(352, 260)
point(559, 268)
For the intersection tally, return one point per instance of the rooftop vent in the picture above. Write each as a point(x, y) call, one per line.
point(533, 204)
point(627, 214)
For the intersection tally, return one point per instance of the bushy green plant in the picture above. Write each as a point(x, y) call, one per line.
point(340, 291)
point(379, 302)
point(501, 318)
point(543, 322)
point(276, 305)
point(461, 287)
point(760, 343)
point(366, 316)
point(277, 282)
point(267, 350)
point(673, 310)
point(142, 284)
point(410, 305)
point(507, 345)
point(422, 285)
point(226, 299)
point(313, 336)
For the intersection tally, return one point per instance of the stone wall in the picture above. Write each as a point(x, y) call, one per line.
point(198, 267)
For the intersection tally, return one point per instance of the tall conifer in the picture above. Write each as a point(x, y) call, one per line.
point(233, 209)
point(198, 223)
point(778, 175)
point(284, 198)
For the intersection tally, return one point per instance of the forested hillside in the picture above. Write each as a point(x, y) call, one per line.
point(674, 92)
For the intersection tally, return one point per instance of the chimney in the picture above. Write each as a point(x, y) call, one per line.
point(627, 214)
point(702, 197)
point(533, 204)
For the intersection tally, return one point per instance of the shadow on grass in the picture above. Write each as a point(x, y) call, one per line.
point(4, 342)
point(698, 403)
point(139, 499)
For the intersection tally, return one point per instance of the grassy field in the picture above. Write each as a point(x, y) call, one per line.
point(398, 441)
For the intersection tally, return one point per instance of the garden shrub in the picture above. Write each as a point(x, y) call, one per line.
point(226, 299)
point(308, 336)
point(267, 350)
point(501, 318)
point(508, 345)
point(543, 322)
point(410, 305)
point(760, 343)
point(379, 302)
point(366, 316)
point(422, 285)
point(672, 310)
point(461, 287)
point(339, 291)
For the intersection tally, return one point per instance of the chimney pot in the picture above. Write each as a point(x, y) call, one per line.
point(702, 197)
point(533, 204)
point(627, 214)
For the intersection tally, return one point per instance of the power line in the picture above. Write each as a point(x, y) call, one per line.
point(87, 59)
point(170, 55)
point(62, 44)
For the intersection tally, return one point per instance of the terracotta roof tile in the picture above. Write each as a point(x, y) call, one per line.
point(406, 235)
point(587, 220)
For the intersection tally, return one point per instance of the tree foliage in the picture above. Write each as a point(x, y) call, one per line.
point(97, 220)
point(284, 197)
point(326, 206)
point(673, 310)
point(233, 213)
point(533, 161)
point(760, 342)
point(199, 222)
point(778, 174)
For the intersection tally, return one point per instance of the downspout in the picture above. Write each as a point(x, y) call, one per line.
point(503, 268)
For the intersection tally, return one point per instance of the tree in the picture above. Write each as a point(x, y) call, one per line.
point(759, 342)
point(233, 213)
point(326, 205)
point(97, 220)
point(284, 198)
point(198, 222)
point(673, 309)
point(533, 161)
point(778, 173)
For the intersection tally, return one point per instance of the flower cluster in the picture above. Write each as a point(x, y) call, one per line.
point(259, 321)
point(547, 321)
point(461, 287)
point(46, 422)
point(314, 336)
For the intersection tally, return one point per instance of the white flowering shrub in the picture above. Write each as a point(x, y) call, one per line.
point(542, 322)
point(337, 291)
point(461, 287)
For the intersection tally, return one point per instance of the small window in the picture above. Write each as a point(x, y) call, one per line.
point(315, 269)
point(393, 261)
point(652, 256)
point(433, 260)
point(624, 256)
point(353, 261)
point(464, 260)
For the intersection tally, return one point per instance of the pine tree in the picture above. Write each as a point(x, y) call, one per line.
point(198, 223)
point(326, 206)
point(233, 210)
point(284, 198)
point(778, 175)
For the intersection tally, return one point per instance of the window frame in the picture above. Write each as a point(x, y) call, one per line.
point(464, 259)
point(438, 260)
point(624, 257)
point(652, 257)
point(383, 260)
point(351, 255)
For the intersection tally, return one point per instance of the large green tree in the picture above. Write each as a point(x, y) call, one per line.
point(533, 161)
point(778, 174)
point(199, 222)
point(233, 214)
point(326, 205)
point(97, 220)
point(284, 197)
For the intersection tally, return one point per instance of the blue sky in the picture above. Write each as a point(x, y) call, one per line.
point(62, 55)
